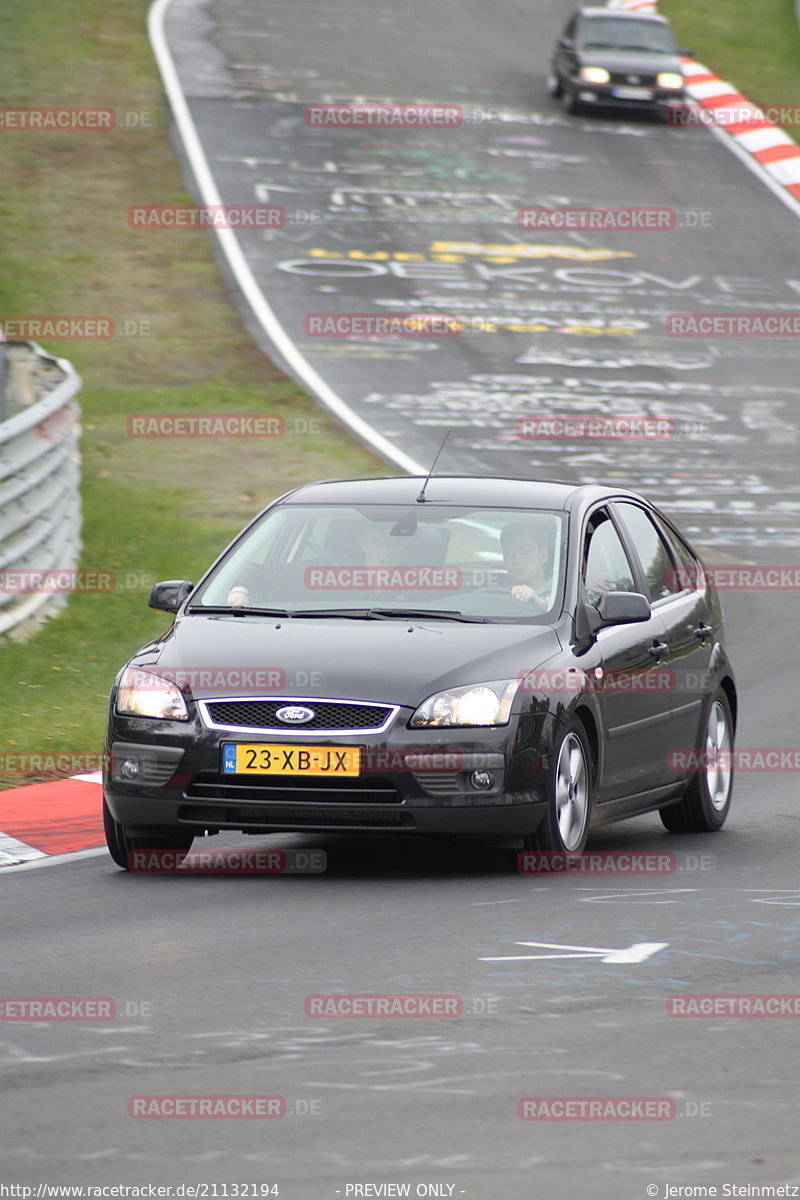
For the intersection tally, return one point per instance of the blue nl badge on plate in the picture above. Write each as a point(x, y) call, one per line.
point(229, 758)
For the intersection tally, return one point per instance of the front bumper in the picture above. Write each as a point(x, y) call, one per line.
point(412, 781)
point(602, 96)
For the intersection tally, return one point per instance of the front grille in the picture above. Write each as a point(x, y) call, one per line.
point(621, 79)
point(250, 817)
point(290, 790)
point(330, 716)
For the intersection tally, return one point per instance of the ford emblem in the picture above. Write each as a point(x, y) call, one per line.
point(295, 714)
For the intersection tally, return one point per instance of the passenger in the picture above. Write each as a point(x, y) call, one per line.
point(378, 547)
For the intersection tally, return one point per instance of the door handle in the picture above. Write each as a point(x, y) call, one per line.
point(658, 649)
point(703, 631)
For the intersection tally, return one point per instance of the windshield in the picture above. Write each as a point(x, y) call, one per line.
point(379, 561)
point(606, 33)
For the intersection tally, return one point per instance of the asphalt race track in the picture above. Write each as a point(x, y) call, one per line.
point(210, 974)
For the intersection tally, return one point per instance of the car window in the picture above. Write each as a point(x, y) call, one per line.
point(495, 564)
point(661, 576)
point(606, 566)
point(622, 33)
point(689, 569)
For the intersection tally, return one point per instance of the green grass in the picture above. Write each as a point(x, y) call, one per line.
point(164, 507)
point(754, 44)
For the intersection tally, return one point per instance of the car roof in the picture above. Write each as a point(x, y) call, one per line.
point(472, 491)
point(622, 14)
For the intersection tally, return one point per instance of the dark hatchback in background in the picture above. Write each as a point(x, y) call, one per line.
point(607, 58)
point(492, 657)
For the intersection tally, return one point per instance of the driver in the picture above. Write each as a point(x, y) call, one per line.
point(379, 547)
point(525, 556)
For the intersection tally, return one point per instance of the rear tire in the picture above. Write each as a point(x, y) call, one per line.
point(564, 828)
point(707, 802)
point(121, 843)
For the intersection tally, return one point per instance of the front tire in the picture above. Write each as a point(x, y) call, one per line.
point(121, 843)
point(707, 802)
point(554, 86)
point(564, 829)
point(569, 100)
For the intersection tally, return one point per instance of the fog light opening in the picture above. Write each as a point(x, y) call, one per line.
point(130, 768)
point(482, 780)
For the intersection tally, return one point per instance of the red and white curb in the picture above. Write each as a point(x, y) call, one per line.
point(43, 820)
point(747, 130)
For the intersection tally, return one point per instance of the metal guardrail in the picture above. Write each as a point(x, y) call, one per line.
point(40, 508)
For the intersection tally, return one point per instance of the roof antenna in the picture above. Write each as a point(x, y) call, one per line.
point(421, 497)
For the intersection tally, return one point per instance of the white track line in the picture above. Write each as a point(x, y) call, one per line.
point(238, 263)
point(12, 851)
point(53, 860)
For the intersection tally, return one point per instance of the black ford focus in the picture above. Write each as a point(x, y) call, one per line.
point(495, 657)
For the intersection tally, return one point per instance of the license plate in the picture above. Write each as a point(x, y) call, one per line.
point(245, 758)
point(632, 93)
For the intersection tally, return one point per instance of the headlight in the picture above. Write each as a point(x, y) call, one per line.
point(593, 75)
point(477, 704)
point(669, 79)
point(142, 694)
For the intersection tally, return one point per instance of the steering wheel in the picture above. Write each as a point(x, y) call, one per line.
point(492, 589)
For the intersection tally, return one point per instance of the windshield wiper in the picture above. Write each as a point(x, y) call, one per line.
point(424, 614)
point(383, 614)
point(361, 614)
point(238, 610)
point(648, 49)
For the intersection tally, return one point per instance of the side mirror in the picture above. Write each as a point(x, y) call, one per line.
point(623, 608)
point(683, 52)
point(169, 595)
point(566, 43)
